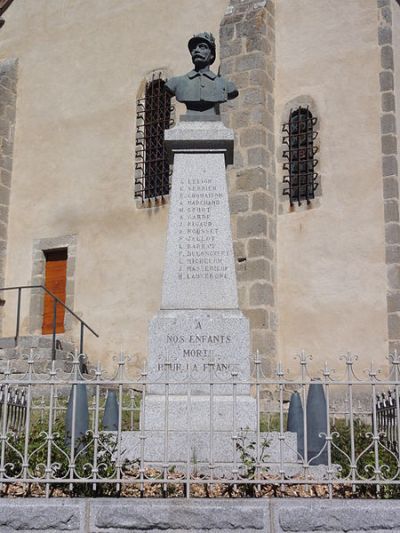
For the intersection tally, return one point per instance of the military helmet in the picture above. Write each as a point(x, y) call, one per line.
point(204, 37)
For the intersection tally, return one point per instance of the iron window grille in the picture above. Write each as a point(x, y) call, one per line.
point(154, 115)
point(300, 178)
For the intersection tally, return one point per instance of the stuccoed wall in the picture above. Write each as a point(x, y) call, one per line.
point(80, 68)
point(331, 256)
point(287, 515)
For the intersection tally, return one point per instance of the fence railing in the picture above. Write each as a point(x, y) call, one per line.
point(56, 302)
point(108, 433)
point(15, 414)
point(387, 418)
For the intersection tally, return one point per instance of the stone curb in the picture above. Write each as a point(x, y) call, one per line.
point(336, 516)
point(33, 514)
point(246, 515)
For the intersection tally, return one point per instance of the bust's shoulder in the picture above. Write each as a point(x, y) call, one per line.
point(177, 81)
point(170, 84)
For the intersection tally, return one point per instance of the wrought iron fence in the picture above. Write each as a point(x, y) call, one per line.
point(95, 434)
point(15, 414)
point(387, 418)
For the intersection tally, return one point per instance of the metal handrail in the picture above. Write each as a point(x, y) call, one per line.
point(56, 301)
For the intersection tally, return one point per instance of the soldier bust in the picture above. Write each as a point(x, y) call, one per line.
point(200, 89)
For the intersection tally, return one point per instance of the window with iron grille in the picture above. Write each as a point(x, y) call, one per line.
point(300, 179)
point(154, 116)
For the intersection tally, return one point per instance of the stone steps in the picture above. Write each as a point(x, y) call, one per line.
point(41, 348)
point(36, 341)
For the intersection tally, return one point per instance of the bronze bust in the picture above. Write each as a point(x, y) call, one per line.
point(200, 89)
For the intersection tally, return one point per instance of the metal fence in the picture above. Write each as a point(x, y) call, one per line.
point(15, 414)
point(94, 434)
point(387, 418)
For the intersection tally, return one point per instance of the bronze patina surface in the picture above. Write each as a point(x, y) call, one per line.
point(201, 90)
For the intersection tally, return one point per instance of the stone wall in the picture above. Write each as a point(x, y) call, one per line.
point(98, 515)
point(247, 57)
point(390, 169)
point(8, 97)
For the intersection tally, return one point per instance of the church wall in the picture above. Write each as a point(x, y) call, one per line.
point(8, 93)
point(388, 24)
point(247, 36)
point(396, 52)
point(81, 65)
point(331, 258)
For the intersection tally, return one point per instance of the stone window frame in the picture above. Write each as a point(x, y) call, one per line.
point(38, 278)
point(162, 72)
point(283, 200)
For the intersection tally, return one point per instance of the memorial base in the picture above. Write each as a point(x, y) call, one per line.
point(183, 448)
point(195, 414)
point(208, 349)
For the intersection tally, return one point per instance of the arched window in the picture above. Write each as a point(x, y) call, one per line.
point(4, 5)
point(300, 178)
point(154, 116)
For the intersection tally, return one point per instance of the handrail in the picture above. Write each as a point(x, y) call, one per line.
point(56, 301)
point(55, 298)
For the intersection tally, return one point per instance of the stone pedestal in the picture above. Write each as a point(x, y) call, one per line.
point(194, 449)
point(202, 349)
point(199, 270)
point(199, 345)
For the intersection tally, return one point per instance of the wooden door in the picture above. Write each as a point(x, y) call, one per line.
point(55, 281)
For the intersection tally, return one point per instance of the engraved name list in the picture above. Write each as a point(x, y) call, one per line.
point(202, 254)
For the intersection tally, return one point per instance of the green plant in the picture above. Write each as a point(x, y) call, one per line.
point(130, 412)
point(53, 454)
point(364, 456)
point(271, 422)
point(250, 461)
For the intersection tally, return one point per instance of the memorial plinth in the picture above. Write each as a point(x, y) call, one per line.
point(199, 346)
point(199, 270)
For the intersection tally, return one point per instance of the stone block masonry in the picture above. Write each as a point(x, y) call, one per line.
point(247, 57)
point(390, 169)
point(84, 515)
point(8, 97)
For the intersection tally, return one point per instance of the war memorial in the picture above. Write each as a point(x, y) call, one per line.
point(199, 333)
point(198, 405)
point(208, 434)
